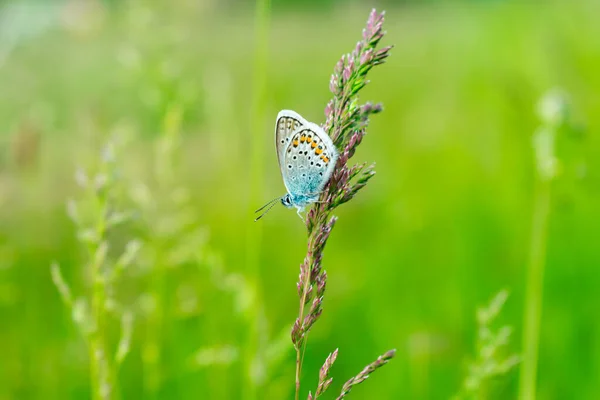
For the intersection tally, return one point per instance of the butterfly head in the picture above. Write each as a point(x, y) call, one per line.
point(286, 200)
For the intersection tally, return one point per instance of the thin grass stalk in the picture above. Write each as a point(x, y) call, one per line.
point(102, 374)
point(534, 290)
point(164, 173)
point(252, 347)
point(152, 345)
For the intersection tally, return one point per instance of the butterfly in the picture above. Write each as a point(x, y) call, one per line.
point(307, 158)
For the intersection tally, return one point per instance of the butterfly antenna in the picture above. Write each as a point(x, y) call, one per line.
point(268, 204)
point(271, 204)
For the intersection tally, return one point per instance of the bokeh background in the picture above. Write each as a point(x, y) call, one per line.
point(191, 94)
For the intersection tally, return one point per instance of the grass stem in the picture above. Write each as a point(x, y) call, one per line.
point(534, 291)
point(299, 352)
point(102, 374)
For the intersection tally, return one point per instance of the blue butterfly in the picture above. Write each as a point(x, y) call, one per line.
point(307, 158)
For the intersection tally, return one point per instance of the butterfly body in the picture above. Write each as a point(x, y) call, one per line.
point(307, 158)
point(298, 201)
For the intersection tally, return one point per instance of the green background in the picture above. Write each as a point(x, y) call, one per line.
point(444, 225)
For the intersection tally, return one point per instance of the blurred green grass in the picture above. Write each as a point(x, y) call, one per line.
point(443, 226)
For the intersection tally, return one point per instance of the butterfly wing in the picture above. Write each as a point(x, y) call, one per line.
point(286, 123)
point(308, 161)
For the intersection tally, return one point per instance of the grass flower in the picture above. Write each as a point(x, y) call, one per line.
point(490, 362)
point(96, 215)
point(346, 123)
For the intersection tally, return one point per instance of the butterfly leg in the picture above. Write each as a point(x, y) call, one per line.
point(300, 215)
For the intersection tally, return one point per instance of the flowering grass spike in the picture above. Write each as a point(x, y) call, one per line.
point(346, 123)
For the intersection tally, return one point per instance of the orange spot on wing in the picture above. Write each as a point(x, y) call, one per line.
point(313, 145)
point(308, 139)
point(318, 151)
point(302, 139)
point(295, 142)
